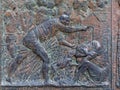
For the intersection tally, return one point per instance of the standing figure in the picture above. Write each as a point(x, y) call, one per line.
point(45, 31)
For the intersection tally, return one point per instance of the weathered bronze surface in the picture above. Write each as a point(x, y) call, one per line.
point(56, 43)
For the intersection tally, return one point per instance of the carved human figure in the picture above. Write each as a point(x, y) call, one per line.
point(17, 57)
point(45, 31)
point(86, 64)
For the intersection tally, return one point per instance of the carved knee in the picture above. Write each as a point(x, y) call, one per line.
point(47, 61)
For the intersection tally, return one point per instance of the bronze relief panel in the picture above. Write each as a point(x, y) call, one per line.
point(56, 43)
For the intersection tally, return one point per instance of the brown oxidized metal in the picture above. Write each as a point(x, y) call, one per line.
point(57, 43)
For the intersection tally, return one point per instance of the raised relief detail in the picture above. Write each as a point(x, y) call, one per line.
point(57, 43)
point(88, 52)
point(45, 31)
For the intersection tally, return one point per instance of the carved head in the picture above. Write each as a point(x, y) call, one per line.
point(64, 19)
point(81, 50)
point(90, 49)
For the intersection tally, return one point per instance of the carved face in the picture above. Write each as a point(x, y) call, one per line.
point(64, 19)
point(81, 50)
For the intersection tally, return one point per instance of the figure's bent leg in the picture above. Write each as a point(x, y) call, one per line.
point(87, 65)
point(13, 66)
point(39, 50)
point(83, 67)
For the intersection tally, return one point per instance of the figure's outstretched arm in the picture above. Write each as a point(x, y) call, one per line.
point(62, 41)
point(66, 43)
point(70, 29)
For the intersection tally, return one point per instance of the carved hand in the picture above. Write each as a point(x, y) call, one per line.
point(89, 28)
point(92, 54)
point(85, 28)
point(73, 46)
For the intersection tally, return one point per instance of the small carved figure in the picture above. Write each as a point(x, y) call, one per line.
point(86, 65)
point(17, 57)
point(45, 31)
point(11, 45)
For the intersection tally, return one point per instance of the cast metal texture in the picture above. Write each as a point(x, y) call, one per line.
point(56, 43)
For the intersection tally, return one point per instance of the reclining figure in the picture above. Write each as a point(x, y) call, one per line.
point(89, 52)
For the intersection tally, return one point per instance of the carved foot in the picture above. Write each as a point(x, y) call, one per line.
point(76, 83)
point(9, 80)
point(50, 82)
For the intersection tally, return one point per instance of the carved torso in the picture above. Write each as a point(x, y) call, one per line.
point(45, 30)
